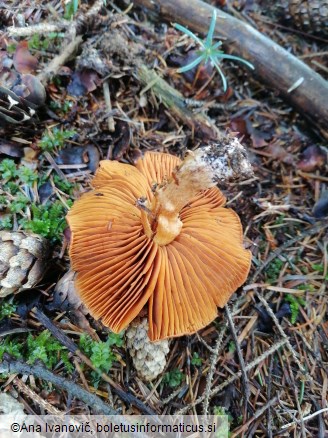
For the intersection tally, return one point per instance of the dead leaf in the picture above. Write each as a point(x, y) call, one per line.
point(31, 89)
point(83, 82)
point(123, 143)
point(24, 62)
point(87, 156)
point(65, 296)
point(11, 148)
point(320, 209)
point(278, 152)
point(239, 125)
point(312, 158)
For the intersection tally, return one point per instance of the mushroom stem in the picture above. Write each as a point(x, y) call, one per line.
point(200, 170)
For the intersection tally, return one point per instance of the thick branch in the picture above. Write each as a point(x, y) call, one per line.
point(273, 64)
point(11, 366)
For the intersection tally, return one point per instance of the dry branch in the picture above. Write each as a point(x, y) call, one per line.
point(256, 415)
point(244, 376)
point(60, 60)
point(273, 64)
point(214, 359)
point(10, 366)
point(175, 102)
point(36, 398)
point(283, 334)
point(37, 29)
point(235, 377)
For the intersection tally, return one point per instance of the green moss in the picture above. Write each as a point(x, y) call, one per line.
point(19, 203)
point(47, 220)
point(42, 347)
point(11, 347)
point(273, 270)
point(6, 223)
point(100, 353)
point(294, 303)
point(173, 378)
point(55, 139)
point(8, 169)
point(196, 360)
point(6, 309)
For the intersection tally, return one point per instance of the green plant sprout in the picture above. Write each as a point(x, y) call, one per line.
point(294, 303)
point(173, 378)
point(100, 353)
point(71, 9)
point(6, 310)
point(196, 360)
point(209, 52)
point(55, 139)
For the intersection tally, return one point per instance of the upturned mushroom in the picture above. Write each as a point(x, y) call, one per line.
point(158, 235)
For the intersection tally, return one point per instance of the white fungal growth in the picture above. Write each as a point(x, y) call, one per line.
point(225, 161)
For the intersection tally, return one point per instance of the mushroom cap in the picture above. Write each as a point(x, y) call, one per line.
point(120, 269)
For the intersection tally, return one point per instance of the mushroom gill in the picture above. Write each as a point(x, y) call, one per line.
point(149, 235)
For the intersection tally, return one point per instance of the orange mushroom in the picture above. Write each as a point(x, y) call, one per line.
point(152, 235)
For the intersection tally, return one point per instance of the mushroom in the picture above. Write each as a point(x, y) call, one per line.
point(158, 234)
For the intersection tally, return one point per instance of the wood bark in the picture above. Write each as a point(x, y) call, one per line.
point(274, 66)
point(174, 101)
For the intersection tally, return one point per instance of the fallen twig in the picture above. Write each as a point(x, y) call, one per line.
point(37, 29)
point(314, 230)
point(281, 331)
point(175, 102)
point(240, 355)
point(36, 398)
point(309, 417)
point(269, 416)
point(53, 67)
point(214, 359)
point(11, 366)
point(256, 415)
point(235, 377)
point(274, 65)
point(111, 122)
point(73, 38)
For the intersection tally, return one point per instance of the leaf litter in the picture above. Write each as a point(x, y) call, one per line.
point(279, 317)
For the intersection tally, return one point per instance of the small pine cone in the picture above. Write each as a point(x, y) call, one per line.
point(308, 15)
point(22, 261)
point(149, 358)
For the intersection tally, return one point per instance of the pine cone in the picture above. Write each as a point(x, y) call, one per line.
point(22, 261)
point(308, 15)
point(148, 357)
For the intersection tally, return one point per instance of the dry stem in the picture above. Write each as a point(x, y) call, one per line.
point(53, 67)
point(8, 365)
point(283, 334)
point(240, 355)
point(36, 398)
point(214, 359)
point(235, 377)
point(40, 29)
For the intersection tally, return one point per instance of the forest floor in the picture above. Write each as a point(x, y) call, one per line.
point(267, 368)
